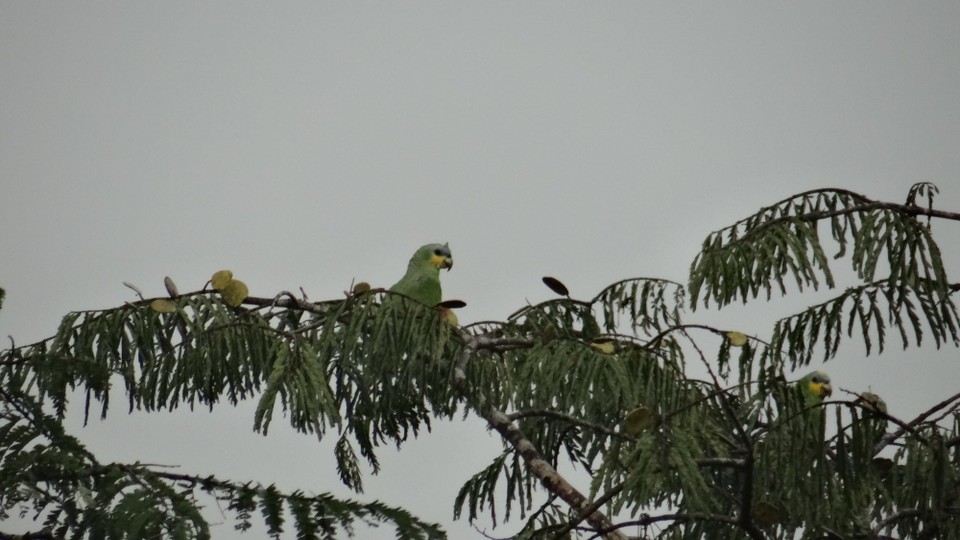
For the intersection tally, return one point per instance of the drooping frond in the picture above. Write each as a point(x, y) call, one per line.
point(572, 379)
point(200, 354)
point(778, 242)
point(52, 473)
point(782, 241)
point(639, 304)
point(374, 372)
point(867, 312)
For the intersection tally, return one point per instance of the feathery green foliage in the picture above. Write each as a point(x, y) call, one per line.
point(51, 473)
point(740, 453)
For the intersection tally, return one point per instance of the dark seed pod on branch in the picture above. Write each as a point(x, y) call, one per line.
point(556, 286)
point(171, 287)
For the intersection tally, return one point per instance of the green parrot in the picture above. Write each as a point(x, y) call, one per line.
point(815, 387)
point(422, 280)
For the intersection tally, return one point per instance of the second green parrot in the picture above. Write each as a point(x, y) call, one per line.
point(422, 280)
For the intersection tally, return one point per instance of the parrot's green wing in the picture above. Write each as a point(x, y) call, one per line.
point(422, 280)
point(815, 387)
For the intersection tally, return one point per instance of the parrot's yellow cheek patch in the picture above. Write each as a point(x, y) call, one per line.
point(439, 261)
point(821, 389)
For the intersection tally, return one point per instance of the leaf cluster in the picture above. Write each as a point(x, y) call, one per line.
point(316, 364)
point(904, 284)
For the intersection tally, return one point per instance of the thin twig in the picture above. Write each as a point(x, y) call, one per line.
point(746, 497)
point(529, 413)
point(890, 437)
point(646, 521)
point(602, 500)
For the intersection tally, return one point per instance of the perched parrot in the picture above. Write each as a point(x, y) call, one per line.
point(422, 280)
point(815, 387)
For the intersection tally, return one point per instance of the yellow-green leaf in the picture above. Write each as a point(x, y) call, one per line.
point(235, 292)
point(638, 420)
point(221, 279)
point(737, 339)
point(604, 345)
point(361, 287)
point(162, 305)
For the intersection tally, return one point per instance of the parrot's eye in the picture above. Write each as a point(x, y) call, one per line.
point(441, 252)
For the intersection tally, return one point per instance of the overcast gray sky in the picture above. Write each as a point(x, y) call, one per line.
point(308, 144)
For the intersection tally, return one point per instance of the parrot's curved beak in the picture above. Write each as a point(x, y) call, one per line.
point(442, 261)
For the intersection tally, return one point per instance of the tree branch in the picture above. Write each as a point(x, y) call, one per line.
point(910, 512)
point(528, 413)
point(613, 492)
point(892, 436)
point(866, 206)
point(646, 521)
point(40, 535)
point(908, 209)
point(551, 479)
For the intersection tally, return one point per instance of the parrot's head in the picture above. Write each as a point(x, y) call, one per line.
point(435, 255)
point(818, 383)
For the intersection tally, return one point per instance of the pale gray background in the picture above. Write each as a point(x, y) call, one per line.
point(308, 144)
